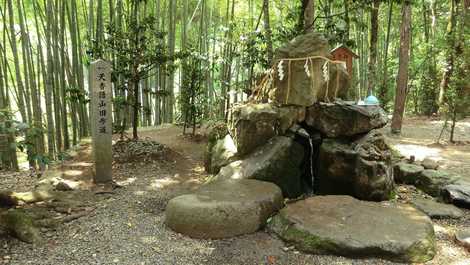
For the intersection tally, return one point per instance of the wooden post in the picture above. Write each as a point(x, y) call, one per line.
point(101, 120)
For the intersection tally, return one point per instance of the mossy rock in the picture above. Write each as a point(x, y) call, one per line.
point(344, 226)
point(20, 224)
point(217, 132)
point(433, 182)
point(407, 173)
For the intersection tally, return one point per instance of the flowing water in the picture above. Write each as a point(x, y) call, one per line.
point(311, 164)
point(304, 134)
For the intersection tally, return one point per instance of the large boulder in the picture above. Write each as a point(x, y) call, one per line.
point(252, 125)
point(224, 209)
point(361, 168)
point(221, 154)
point(343, 119)
point(302, 89)
point(279, 162)
point(342, 225)
point(457, 193)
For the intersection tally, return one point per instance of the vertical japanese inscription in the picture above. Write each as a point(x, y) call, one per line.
point(101, 119)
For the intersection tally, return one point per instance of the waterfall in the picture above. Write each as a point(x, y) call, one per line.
point(304, 134)
point(311, 164)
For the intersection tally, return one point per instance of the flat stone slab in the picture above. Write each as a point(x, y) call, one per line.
point(224, 209)
point(433, 181)
point(341, 119)
point(463, 238)
point(458, 193)
point(342, 225)
point(437, 210)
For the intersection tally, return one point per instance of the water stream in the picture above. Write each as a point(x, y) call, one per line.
point(311, 164)
point(304, 134)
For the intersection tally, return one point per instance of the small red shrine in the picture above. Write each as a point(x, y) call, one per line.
point(343, 53)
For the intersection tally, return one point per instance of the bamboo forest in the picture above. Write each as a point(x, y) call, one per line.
point(235, 132)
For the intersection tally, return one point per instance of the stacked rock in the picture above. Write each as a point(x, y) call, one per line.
point(297, 132)
point(351, 158)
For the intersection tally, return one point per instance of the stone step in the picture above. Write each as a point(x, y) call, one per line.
point(342, 225)
point(458, 193)
point(224, 209)
point(437, 210)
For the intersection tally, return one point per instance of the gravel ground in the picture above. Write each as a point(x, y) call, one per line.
point(127, 227)
point(18, 181)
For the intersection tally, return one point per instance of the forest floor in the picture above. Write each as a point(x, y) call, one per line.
point(127, 225)
point(419, 137)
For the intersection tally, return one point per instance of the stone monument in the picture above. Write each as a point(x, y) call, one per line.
point(101, 119)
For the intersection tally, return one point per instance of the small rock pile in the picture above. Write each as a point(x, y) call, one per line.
point(299, 140)
point(138, 150)
point(347, 157)
point(438, 183)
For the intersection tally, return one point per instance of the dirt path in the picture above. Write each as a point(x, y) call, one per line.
point(128, 227)
point(419, 137)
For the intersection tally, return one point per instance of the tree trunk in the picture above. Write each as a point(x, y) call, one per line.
point(99, 26)
point(309, 15)
point(383, 94)
point(16, 59)
point(56, 93)
point(9, 158)
point(62, 79)
point(135, 119)
point(135, 74)
point(429, 93)
point(227, 53)
point(74, 83)
point(158, 80)
point(41, 74)
point(402, 78)
point(147, 111)
point(49, 86)
point(36, 139)
point(184, 74)
point(163, 80)
point(171, 46)
point(374, 28)
point(267, 28)
point(449, 65)
point(347, 22)
point(91, 19)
